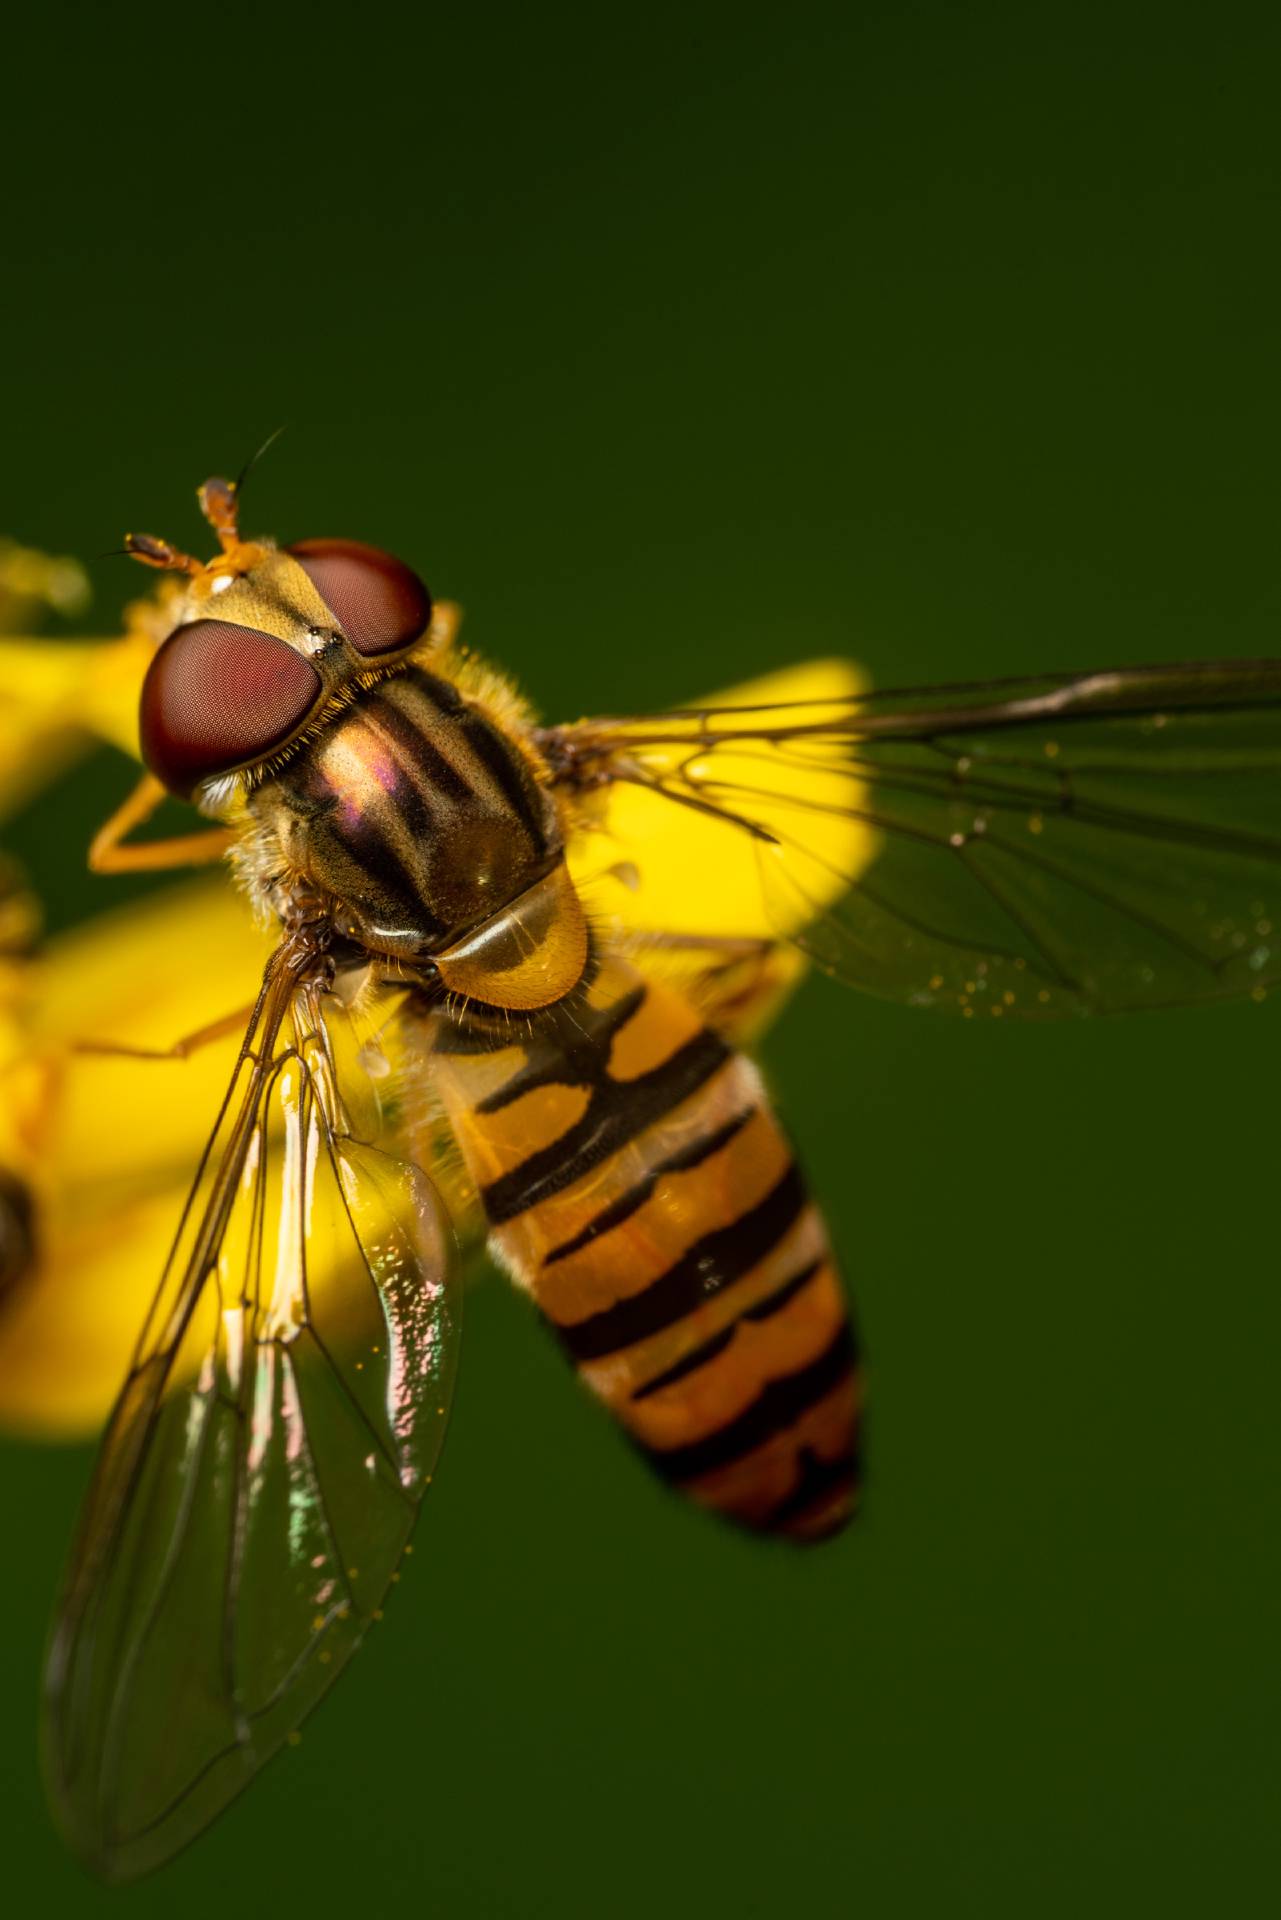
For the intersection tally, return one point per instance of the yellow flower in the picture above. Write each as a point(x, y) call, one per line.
point(97, 1151)
point(699, 875)
point(63, 696)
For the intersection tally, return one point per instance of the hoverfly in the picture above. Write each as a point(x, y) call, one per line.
point(470, 911)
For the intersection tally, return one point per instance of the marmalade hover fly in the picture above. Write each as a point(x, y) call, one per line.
point(488, 932)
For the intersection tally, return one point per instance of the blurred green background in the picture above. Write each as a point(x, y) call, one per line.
point(679, 342)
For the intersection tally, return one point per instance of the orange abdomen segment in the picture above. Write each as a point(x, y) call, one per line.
point(637, 1184)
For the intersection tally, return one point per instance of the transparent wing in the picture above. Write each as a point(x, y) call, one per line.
point(1073, 843)
point(262, 1470)
point(681, 895)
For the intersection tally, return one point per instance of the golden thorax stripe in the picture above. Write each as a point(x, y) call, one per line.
point(389, 836)
point(431, 769)
point(476, 748)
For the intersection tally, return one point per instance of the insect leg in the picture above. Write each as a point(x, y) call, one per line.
point(181, 1049)
point(108, 854)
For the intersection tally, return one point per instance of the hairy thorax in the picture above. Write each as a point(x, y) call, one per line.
point(430, 829)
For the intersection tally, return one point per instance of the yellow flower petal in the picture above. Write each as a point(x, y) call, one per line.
point(106, 1146)
point(31, 581)
point(67, 1330)
point(687, 873)
point(63, 696)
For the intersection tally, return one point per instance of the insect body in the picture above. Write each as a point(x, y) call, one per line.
point(635, 1180)
point(627, 1164)
point(1071, 844)
point(415, 811)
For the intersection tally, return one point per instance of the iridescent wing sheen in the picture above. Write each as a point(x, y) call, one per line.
point(1090, 842)
point(264, 1464)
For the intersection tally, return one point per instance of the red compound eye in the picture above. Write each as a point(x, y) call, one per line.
point(380, 603)
point(218, 696)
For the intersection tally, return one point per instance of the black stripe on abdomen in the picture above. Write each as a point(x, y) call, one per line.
point(621, 1209)
point(575, 1056)
point(713, 1263)
point(616, 1112)
point(760, 1310)
point(778, 1406)
point(829, 1484)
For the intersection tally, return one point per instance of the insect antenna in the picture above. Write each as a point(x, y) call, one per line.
point(218, 504)
point(220, 499)
point(158, 553)
point(239, 483)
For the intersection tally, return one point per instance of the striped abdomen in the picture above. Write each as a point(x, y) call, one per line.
point(637, 1184)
